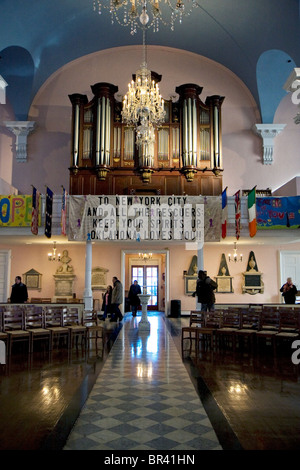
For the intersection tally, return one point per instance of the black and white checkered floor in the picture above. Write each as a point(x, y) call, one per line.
point(143, 398)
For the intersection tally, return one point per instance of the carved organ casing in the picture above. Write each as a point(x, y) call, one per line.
point(187, 153)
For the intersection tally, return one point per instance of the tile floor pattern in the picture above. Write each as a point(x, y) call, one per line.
point(143, 398)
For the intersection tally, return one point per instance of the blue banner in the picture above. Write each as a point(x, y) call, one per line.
point(278, 212)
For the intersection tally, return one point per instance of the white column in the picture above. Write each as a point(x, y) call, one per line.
point(21, 129)
point(88, 294)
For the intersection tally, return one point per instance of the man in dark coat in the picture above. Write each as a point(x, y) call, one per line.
point(19, 293)
point(133, 295)
point(205, 291)
point(289, 291)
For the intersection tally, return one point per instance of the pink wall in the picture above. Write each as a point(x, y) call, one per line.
point(109, 256)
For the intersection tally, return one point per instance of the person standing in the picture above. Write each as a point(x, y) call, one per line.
point(106, 304)
point(205, 291)
point(289, 291)
point(133, 295)
point(116, 300)
point(19, 294)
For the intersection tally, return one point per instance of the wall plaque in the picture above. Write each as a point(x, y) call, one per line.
point(223, 279)
point(253, 283)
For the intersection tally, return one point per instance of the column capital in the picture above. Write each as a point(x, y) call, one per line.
point(21, 129)
point(268, 132)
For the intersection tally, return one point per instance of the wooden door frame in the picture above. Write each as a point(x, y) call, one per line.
point(167, 277)
point(7, 273)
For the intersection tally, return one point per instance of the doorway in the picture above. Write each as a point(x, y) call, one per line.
point(151, 274)
point(147, 277)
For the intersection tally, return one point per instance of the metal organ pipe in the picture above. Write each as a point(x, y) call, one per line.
point(185, 135)
point(190, 128)
point(189, 132)
point(102, 139)
point(194, 133)
point(76, 134)
point(98, 132)
point(103, 131)
point(216, 136)
point(107, 137)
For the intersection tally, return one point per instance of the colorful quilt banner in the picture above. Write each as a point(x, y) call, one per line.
point(278, 212)
point(16, 211)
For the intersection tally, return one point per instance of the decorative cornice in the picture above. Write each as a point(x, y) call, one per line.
point(268, 132)
point(21, 130)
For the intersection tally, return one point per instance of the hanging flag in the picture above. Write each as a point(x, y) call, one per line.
point(35, 211)
point(252, 211)
point(224, 213)
point(64, 213)
point(237, 205)
point(48, 216)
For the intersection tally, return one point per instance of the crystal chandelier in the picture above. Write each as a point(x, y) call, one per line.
point(143, 107)
point(135, 13)
point(143, 103)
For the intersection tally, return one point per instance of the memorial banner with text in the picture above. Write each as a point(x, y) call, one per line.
point(145, 218)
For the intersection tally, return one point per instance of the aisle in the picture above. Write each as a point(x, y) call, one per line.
point(143, 398)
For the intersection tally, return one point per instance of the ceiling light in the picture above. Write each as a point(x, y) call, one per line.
point(146, 13)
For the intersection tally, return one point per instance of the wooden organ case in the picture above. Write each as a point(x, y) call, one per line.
point(187, 154)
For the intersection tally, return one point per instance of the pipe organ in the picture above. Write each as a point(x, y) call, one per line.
point(185, 158)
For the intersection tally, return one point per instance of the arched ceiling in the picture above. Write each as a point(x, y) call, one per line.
point(257, 39)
